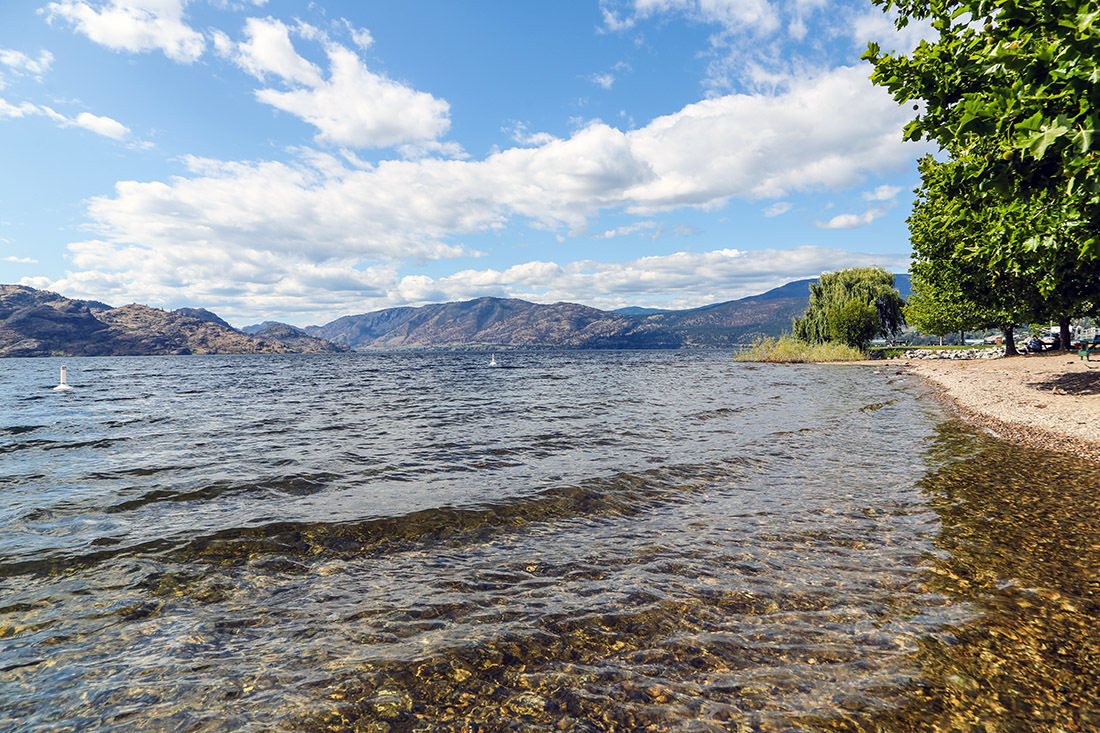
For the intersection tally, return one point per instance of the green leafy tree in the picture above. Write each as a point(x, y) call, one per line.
point(851, 306)
point(1009, 88)
point(1012, 84)
point(954, 290)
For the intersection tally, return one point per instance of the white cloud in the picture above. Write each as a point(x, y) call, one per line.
point(104, 126)
point(852, 221)
point(679, 280)
point(882, 193)
point(21, 260)
point(21, 64)
point(873, 25)
point(777, 209)
point(517, 131)
point(604, 81)
point(251, 233)
point(359, 108)
point(360, 36)
point(133, 25)
point(269, 50)
point(734, 14)
point(824, 131)
point(648, 229)
point(353, 107)
point(312, 293)
point(24, 109)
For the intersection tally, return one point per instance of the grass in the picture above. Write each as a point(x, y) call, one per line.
point(789, 350)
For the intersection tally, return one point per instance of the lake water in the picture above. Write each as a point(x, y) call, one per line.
point(576, 541)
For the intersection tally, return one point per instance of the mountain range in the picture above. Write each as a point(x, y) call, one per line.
point(41, 323)
point(487, 323)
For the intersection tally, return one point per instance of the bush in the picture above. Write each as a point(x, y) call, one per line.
point(787, 349)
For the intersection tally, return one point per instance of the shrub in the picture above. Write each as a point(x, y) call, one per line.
point(787, 349)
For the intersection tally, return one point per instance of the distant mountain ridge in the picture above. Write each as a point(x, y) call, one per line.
point(41, 323)
point(509, 323)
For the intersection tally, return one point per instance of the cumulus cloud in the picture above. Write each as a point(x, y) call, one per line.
point(268, 50)
point(314, 293)
point(133, 25)
point(104, 126)
point(852, 221)
point(258, 228)
point(751, 44)
point(354, 106)
point(882, 193)
point(777, 209)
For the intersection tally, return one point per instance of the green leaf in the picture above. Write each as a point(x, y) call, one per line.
point(1085, 20)
point(1039, 143)
point(1084, 136)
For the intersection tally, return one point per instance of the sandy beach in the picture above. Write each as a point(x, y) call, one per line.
point(1043, 400)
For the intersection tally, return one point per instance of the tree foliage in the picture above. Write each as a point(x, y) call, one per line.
point(1010, 86)
point(952, 290)
point(851, 306)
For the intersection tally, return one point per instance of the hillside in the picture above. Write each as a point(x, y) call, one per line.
point(41, 323)
point(500, 323)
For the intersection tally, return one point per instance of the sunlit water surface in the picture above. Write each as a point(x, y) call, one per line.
point(573, 541)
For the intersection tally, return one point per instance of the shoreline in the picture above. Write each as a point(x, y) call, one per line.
point(1047, 401)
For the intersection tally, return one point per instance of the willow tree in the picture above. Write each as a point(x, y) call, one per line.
point(852, 306)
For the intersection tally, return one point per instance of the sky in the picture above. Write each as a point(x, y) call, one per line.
point(299, 161)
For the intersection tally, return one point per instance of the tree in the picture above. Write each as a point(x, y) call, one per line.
point(1013, 80)
point(851, 306)
point(954, 290)
point(1010, 89)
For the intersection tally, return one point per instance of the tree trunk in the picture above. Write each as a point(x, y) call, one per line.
point(962, 338)
point(1010, 342)
point(1063, 332)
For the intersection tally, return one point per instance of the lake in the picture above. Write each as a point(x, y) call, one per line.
point(572, 541)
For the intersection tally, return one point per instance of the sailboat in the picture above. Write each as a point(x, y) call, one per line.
point(493, 361)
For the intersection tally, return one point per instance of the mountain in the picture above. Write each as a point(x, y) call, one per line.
point(499, 323)
point(203, 315)
point(41, 323)
point(492, 322)
point(257, 327)
point(637, 310)
point(296, 339)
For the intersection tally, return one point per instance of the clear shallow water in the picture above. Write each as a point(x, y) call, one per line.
point(578, 541)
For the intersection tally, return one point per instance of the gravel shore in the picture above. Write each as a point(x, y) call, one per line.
point(1048, 401)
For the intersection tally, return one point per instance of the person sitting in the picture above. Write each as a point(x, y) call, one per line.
point(1033, 346)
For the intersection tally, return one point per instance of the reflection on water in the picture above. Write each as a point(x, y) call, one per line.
point(598, 542)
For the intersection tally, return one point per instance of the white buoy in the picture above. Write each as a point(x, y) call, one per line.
point(64, 380)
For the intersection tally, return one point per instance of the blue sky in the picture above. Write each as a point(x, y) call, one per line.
point(302, 161)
